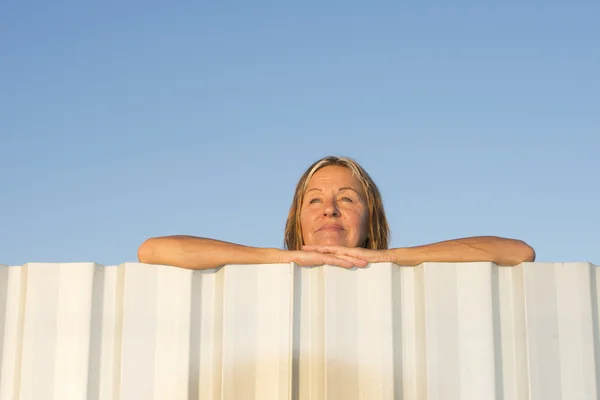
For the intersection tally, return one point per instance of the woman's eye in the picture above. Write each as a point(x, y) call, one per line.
point(347, 199)
point(313, 201)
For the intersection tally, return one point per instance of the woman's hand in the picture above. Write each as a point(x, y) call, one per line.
point(370, 256)
point(306, 258)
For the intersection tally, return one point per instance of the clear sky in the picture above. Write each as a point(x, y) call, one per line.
point(134, 119)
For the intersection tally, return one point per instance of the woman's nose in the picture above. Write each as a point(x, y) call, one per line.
point(330, 209)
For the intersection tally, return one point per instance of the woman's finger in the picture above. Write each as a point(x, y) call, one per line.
point(313, 258)
point(357, 262)
point(338, 250)
point(344, 261)
point(336, 261)
point(370, 256)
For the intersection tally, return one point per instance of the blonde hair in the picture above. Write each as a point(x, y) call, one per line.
point(379, 231)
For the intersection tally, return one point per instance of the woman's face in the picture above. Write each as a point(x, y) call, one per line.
point(334, 211)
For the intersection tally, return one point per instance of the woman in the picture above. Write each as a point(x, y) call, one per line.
point(336, 218)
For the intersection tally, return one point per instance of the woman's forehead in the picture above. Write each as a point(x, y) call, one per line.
point(337, 178)
point(332, 175)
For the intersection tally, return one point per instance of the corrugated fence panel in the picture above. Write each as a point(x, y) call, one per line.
point(57, 326)
point(561, 333)
point(459, 331)
point(279, 331)
point(359, 339)
point(155, 333)
point(257, 331)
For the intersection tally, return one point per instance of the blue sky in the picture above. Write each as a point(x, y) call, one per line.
point(136, 119)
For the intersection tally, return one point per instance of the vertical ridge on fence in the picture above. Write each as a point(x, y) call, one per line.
point(375, 335)
point(310, 343)
point(6, 336)
point(512, 327)
point(441, 331)
point(111, 336)
point(4, 285)
point(595, 299)
point(206, 368)
point(497, 332)
point(296, 310)
point(96, 333)
point(576, 330)
point(172, 346)
point(15, 279)
point(139, 332)
point(341, 331)
point(410, 377)
point(397, 278)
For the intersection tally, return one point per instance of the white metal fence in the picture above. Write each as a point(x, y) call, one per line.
point(436, 331)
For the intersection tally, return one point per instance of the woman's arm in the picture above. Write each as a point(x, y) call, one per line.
point(494, 249)
point(202, 253)
point(500, 251)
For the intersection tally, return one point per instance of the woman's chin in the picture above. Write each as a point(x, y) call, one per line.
point(330, 242)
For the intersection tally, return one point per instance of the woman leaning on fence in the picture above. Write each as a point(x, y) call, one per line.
point(336, 218)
